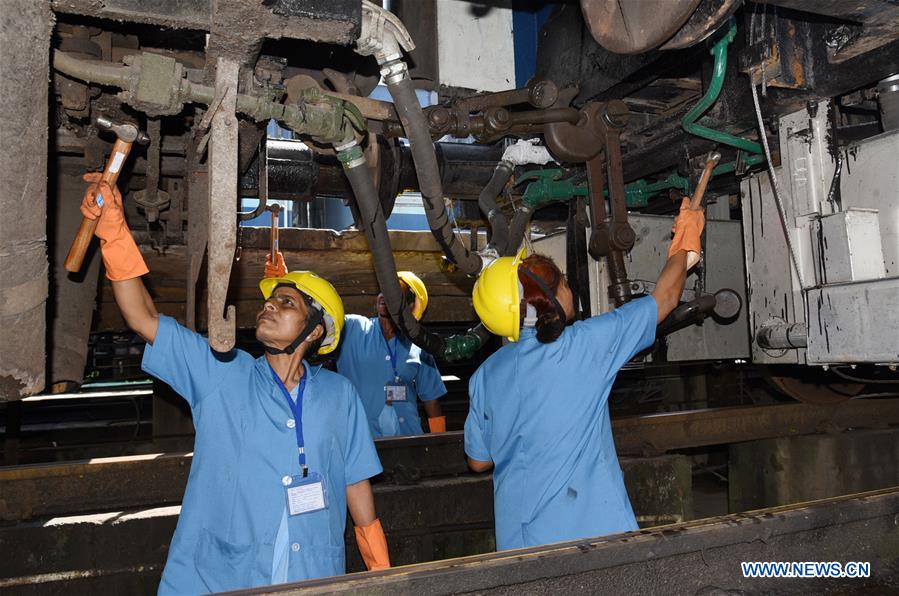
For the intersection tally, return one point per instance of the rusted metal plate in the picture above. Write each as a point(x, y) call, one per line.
point(657, 433)
point(659, 487)
point(692, 558)
point(71, 553)
point(322, 20)
point(222, 229)
point(436, 518)
point(39, 490)
point(635, 27)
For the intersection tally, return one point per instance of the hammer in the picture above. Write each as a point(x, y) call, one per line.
point(696, 199)
point(126, 134)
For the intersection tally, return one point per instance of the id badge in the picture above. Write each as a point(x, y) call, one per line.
point(306, 495)
point(395, 391)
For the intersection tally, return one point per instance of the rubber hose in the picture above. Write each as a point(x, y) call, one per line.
point(499, 224)
point(422, 148)
point(375, 227)
point(520, 222)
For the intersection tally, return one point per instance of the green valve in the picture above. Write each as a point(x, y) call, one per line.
point(459, 347)
point(546, 189)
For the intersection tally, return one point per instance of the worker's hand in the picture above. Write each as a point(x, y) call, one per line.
point(111, 214)
point(437, 424)
point(373, 546)
point(687, 229)
point(120, 253)
point(276, 269)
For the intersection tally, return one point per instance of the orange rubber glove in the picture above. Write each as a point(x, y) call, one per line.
point(120, 252)
point(437, 424)
point(276, 269)
point(687, 229)
point(373, 545)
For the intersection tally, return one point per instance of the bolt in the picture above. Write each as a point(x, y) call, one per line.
point(544, 94)
point(616, 113)
point(439, 118)
point(825, 367)
point(498, 118)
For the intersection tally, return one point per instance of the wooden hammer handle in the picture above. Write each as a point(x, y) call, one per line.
point(88, 226)
point(696, 200)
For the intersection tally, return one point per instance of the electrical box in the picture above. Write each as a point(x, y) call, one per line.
point(850, 247)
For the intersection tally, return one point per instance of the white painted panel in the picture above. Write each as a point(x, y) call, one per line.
point(474, 45)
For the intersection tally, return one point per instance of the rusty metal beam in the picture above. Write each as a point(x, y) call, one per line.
point(692, 558)
point(658, 433)
point(44, 489)
point(222, 239)
point(322, 20)
point(104, 484)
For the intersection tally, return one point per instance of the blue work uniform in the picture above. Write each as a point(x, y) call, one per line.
point(245, 450)
point(366, 359)
point(540, 413)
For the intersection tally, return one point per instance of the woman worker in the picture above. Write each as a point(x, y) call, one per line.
point(539, 406)
point(282, 448)
point(391, 373)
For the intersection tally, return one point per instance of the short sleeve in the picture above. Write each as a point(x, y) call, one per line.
point(428, 383)
point(183, 359)
point(475, 431)
point(352, 327)
point(634, 329)
point(361, 457)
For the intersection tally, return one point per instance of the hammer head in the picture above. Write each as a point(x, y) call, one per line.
point(714, 157)
point(125, 131)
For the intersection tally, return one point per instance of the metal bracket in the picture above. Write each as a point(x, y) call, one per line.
point(222, 207)
point(152, 199)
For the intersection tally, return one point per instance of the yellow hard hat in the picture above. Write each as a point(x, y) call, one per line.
point(322, 293)
point(497, 298)
point(418, 288)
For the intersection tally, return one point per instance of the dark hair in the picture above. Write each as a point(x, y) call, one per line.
point(549, 324)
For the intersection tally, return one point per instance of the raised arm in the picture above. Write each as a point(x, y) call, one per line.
point(137, 307)
point(123, 261)
point(670, 284)
point(687, 231)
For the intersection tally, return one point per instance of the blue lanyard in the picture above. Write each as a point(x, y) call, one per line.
point(297, 408)
point(391, 353)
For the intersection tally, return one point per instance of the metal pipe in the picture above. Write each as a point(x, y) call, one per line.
point(782, 336)
point(570, 115)
point(322, 124)
point(92, 71)
point(719, 51)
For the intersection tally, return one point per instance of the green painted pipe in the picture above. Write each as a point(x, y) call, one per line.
point(728, 168)
point(719, 51)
